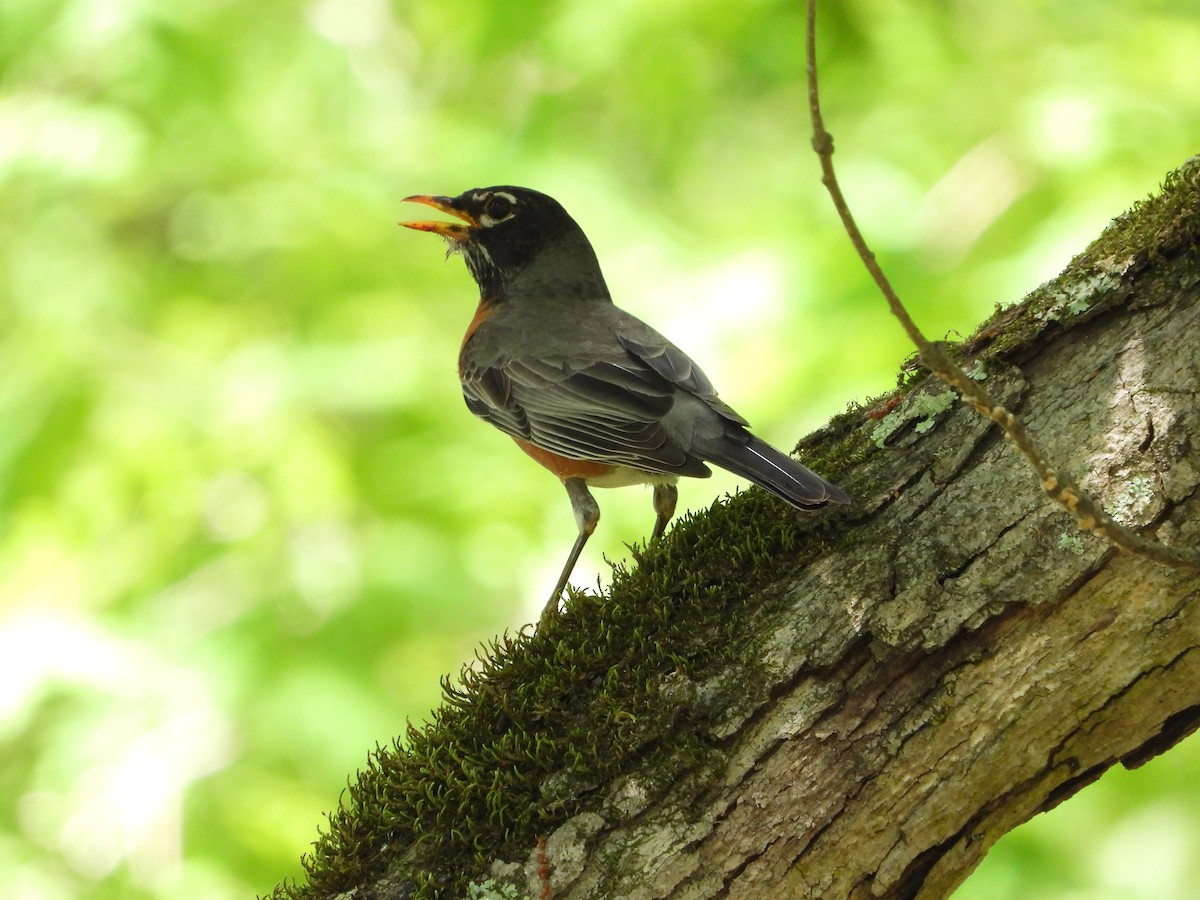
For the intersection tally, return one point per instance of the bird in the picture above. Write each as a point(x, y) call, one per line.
point(589, 391)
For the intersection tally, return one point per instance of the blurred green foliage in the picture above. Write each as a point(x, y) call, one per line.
point(246, 521)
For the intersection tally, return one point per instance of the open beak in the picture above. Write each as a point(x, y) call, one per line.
point(455, 231)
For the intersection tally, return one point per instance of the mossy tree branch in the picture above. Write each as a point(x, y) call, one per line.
point(857, 704)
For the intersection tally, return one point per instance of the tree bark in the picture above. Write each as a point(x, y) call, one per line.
point(962, 657)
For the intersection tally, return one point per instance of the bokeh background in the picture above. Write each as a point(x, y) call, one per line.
point(245, 519)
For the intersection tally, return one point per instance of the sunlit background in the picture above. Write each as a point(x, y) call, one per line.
point(246, 521)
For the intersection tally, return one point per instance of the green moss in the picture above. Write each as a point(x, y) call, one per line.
point(1159, 226)
point(840, 447)
point(541, 719)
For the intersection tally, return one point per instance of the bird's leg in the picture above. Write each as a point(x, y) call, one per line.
point(665, 497)
point(587, 514)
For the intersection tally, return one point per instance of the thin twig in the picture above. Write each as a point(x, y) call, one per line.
point(1088, 513)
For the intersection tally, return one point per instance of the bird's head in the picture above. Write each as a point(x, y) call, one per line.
point(513, 236)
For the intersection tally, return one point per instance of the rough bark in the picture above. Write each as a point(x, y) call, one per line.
point(963, 657)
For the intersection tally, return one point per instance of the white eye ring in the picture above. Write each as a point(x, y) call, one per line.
point(488, 220)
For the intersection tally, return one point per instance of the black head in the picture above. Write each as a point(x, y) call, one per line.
point(513, 237)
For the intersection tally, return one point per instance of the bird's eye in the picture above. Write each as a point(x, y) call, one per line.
point(498, 207)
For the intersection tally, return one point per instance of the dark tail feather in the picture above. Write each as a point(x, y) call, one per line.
point(776, 472)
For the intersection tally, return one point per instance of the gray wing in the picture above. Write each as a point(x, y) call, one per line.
point(655, 351)
point(608, 411)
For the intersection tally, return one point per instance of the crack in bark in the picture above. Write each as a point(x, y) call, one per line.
point(1174, 729)
point(898, 491)
point(959, 570)
point(913, 877)
point(736, 873)
point(1097, 717)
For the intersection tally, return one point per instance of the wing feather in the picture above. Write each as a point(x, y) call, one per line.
point(603, 412)
point(655, 351)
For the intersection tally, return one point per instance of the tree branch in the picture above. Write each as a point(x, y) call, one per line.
point(775, 704)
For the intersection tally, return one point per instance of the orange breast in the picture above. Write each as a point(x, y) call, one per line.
point(562, 466)
point(482, 311)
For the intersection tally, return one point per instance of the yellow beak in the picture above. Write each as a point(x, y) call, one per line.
point(455, 231)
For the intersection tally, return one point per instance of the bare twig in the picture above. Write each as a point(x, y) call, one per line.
point(1088, 513)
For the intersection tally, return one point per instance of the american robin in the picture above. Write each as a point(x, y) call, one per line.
point(593, 394)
